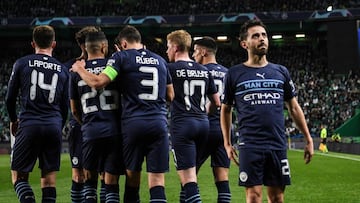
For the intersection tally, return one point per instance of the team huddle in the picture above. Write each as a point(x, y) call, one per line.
point(119, 116)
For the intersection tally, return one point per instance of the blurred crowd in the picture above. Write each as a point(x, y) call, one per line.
point(326, 97)
point(52, 8)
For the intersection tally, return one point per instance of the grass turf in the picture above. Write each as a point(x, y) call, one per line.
point(330, 178)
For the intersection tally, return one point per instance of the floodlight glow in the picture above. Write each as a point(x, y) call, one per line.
point(196, 38)
point(300, 35)
point(276, 37)
point(222, 38)
point(159, 40)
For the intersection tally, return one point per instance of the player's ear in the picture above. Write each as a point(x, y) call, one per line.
point(243, 44)
point(124, 44)
point(203, 52)
point(104, 48)
point(53, 44)
point(32, 44)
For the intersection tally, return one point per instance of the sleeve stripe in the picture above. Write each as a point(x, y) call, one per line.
point(110, 72)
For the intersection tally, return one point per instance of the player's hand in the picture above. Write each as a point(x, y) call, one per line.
point(14, 127)
point(232, 154)
point(117, 48)
point(77, 66)
point(308, 151)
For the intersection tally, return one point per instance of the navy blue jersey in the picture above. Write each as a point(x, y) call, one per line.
point(218, 72)
point(72, 120)
point(143, 76)
point(101, 108)
point(43, 84)
point(192, 83)
point(259, 95)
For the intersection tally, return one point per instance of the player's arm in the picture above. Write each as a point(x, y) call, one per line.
point(212, 107)
point(170, 94)
point(213, 94)
point(225, 122)
point(10, 99)
point(215, 100)
point(76, 110)
point(298, 117)
point(93, 80)
point(64, 104)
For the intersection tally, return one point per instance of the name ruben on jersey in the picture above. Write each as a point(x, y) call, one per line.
point(147, 60)
point(140, 60)
point(260, 92)
point(44, 64)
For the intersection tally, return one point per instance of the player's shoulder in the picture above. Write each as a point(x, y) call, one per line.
point(154, 55)
point(216, 67)
point(277, 66)
point(96, 62)
point(280, 69)
point(25, 59)
point(236, 67)
point(69, 63)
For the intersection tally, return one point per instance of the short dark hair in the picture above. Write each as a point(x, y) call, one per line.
point(94, 41)
point(81, 34)
point(207, 42)
point(130, 34)
point(43, 36)
point(248, 24)
point(95, 36)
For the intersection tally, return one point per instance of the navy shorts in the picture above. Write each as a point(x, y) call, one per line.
point(215, 149)
point(189, 141)
point(103, 155)
point(263, 167)
point(75, 143)
point(146, 138)
point(37, 142)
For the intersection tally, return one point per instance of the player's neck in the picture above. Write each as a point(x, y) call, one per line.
point(182, 56)
point(256, 61)
point(47, 51)
point(95, 56)
point(135, 46)
point(207, 60)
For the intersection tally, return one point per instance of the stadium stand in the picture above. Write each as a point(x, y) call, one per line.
point(51, 8)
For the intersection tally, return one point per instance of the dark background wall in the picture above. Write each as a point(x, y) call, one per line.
point(343, 49)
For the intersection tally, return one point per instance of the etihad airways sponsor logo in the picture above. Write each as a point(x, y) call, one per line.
point(261, 96)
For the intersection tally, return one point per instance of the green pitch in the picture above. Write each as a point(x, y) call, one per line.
point(330, 178)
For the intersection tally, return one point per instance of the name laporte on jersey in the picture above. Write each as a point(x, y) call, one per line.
point(45, 65)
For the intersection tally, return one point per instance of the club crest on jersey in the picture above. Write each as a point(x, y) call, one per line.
point(75, 160)
point(110, 62)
